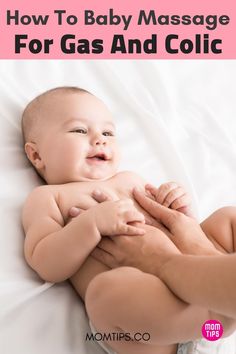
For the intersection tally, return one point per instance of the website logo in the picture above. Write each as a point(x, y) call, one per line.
point(212, 330)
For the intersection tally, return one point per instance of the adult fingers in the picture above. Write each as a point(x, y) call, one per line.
point(106, 244)
point(104, 257)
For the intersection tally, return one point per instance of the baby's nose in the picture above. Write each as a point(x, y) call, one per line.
point(99, 140)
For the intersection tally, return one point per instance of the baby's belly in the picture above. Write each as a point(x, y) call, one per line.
point(91, 267)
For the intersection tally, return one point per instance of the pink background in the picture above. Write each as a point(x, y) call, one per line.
point(74, 7)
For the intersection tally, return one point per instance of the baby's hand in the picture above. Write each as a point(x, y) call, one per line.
point(113, 218)
point(173, 196)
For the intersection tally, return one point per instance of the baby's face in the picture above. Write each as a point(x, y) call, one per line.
point(77, 140)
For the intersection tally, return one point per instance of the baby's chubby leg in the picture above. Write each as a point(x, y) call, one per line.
point(126, 300)
point(220, 228)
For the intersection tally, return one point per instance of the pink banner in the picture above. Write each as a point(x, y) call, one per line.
point(118, 29)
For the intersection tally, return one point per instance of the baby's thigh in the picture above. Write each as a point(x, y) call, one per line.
point(117, 302)
point(220, 228)
point(132, 301)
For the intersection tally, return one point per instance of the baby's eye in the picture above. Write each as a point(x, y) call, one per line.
point(108, 133)
point(79, 130)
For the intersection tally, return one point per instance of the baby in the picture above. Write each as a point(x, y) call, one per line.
point(70, 139)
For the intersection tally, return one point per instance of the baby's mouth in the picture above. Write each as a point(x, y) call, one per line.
point(100, 157)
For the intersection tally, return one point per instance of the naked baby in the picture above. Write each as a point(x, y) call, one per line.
point(70, 139)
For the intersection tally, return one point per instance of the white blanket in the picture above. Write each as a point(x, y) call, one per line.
point(176, 121)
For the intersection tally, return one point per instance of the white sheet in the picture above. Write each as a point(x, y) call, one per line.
point(176, 121)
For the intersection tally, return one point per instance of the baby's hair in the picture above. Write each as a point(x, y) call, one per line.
point(32, 111)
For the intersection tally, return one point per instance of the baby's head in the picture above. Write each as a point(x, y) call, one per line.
point(69, 136)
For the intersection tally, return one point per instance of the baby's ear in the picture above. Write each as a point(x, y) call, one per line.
point(32, 153)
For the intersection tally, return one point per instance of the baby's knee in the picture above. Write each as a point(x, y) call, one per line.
point(108, 282)
point(226, 212)
point(221, 216)
point(220, 227)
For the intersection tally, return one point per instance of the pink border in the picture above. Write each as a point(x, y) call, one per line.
point(55, 32)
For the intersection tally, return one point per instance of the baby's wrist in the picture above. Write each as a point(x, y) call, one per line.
point(96, 228)
point(92, 220)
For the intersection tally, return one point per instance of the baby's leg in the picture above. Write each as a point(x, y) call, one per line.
point(220, 228)
point(126, 300)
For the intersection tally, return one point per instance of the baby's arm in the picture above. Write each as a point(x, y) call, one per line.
point(51, 248)
point(56, 251)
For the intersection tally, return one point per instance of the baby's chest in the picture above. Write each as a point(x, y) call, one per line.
point(81, 197)
point(80, 194)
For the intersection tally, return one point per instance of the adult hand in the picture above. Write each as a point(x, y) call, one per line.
point(185, 232)
point(147, 253)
